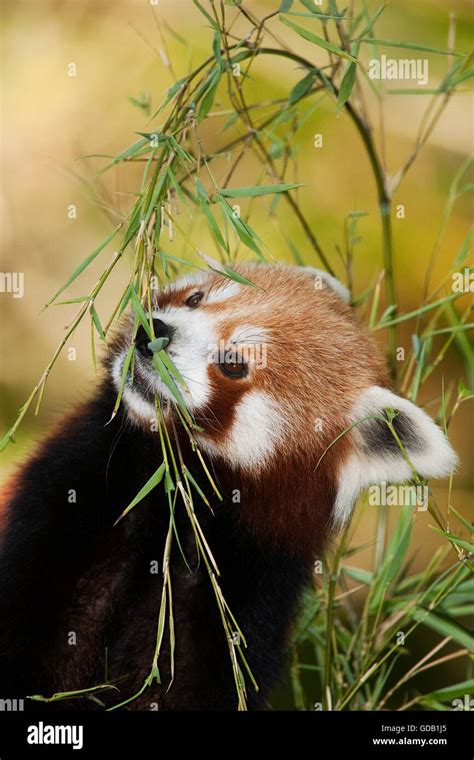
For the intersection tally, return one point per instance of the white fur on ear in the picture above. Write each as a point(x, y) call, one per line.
point(331, 281)
point(377, 457)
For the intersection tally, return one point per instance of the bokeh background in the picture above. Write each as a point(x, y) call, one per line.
point(55, 126)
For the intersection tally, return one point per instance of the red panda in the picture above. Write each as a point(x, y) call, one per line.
point(274, 374)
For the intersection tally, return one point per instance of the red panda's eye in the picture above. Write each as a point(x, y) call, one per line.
point(194, 300)
point(233, 367)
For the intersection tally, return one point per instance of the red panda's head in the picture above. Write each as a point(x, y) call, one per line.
point(275, 373)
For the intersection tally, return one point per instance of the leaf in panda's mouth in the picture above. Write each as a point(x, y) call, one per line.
point(158, 344)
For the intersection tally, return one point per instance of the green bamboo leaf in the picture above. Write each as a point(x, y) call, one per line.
point(307, 35)
point(96, 320)
point(154, 136)
point(204, 205)
point(169, 484)
point(130, 152)
point(125, 301)
point(179, 150)
point(245, 233)
point(232, 275)
point(216, 47)
point(127, 365)
point(463, 344)
point(302, 87)
point(242, 55)
point(466, 523)
point(133, 224)
point(139, 311)
point(451, 692)
point(464, 249)
point(158, 344)
point(409, 46)
point(394, 556)
point(165, 255)
point(168, 380)
point(347, 83)
point(458, 610)
point(349, 78)
point(177, 187)
point(359, 575)
point(462, 77)
point(159, 188)
point(174, 372)
point(209, 95)
point(79, 299)
point(206, 14)
point(173, 90)
point(458, 541)
point(58, 695)
point(411, 314)
point(84, 264)
point(230, 121)
point(372, 21)
point(201, 493)
point(253, 192)
point(444, 626)
point(155, 479)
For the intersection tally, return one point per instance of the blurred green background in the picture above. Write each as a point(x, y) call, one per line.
point(50, 120)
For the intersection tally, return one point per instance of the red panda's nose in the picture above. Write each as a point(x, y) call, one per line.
point(161, 330)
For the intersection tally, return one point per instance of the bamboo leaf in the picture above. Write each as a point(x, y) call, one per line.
point(139, 310)
point(451, 692)
point(158, 344)
point(410, 315)
point(96, 320)
point(360, 575)
point(466, 523)
point(204, 204)
point(232, 275)
point(307, 35)
point(253, 192)
point(302, 87)
point(409, 46)
point(168, 380)
point(372, 21)
point(79, 270)
point(395, 555)
point(245, 233)
point(209, 95)
point(347, 84)
point(458, 541)
point(444, 626)
point(155, 479)
point(216, 47)
point(206, 14)
point(174, 372)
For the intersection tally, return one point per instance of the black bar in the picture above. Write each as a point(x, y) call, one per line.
point(309, 734)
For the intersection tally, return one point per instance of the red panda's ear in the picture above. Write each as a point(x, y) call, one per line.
point(392, 441)
point(322, 279)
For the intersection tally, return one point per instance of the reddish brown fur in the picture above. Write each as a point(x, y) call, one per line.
point(319, 359)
